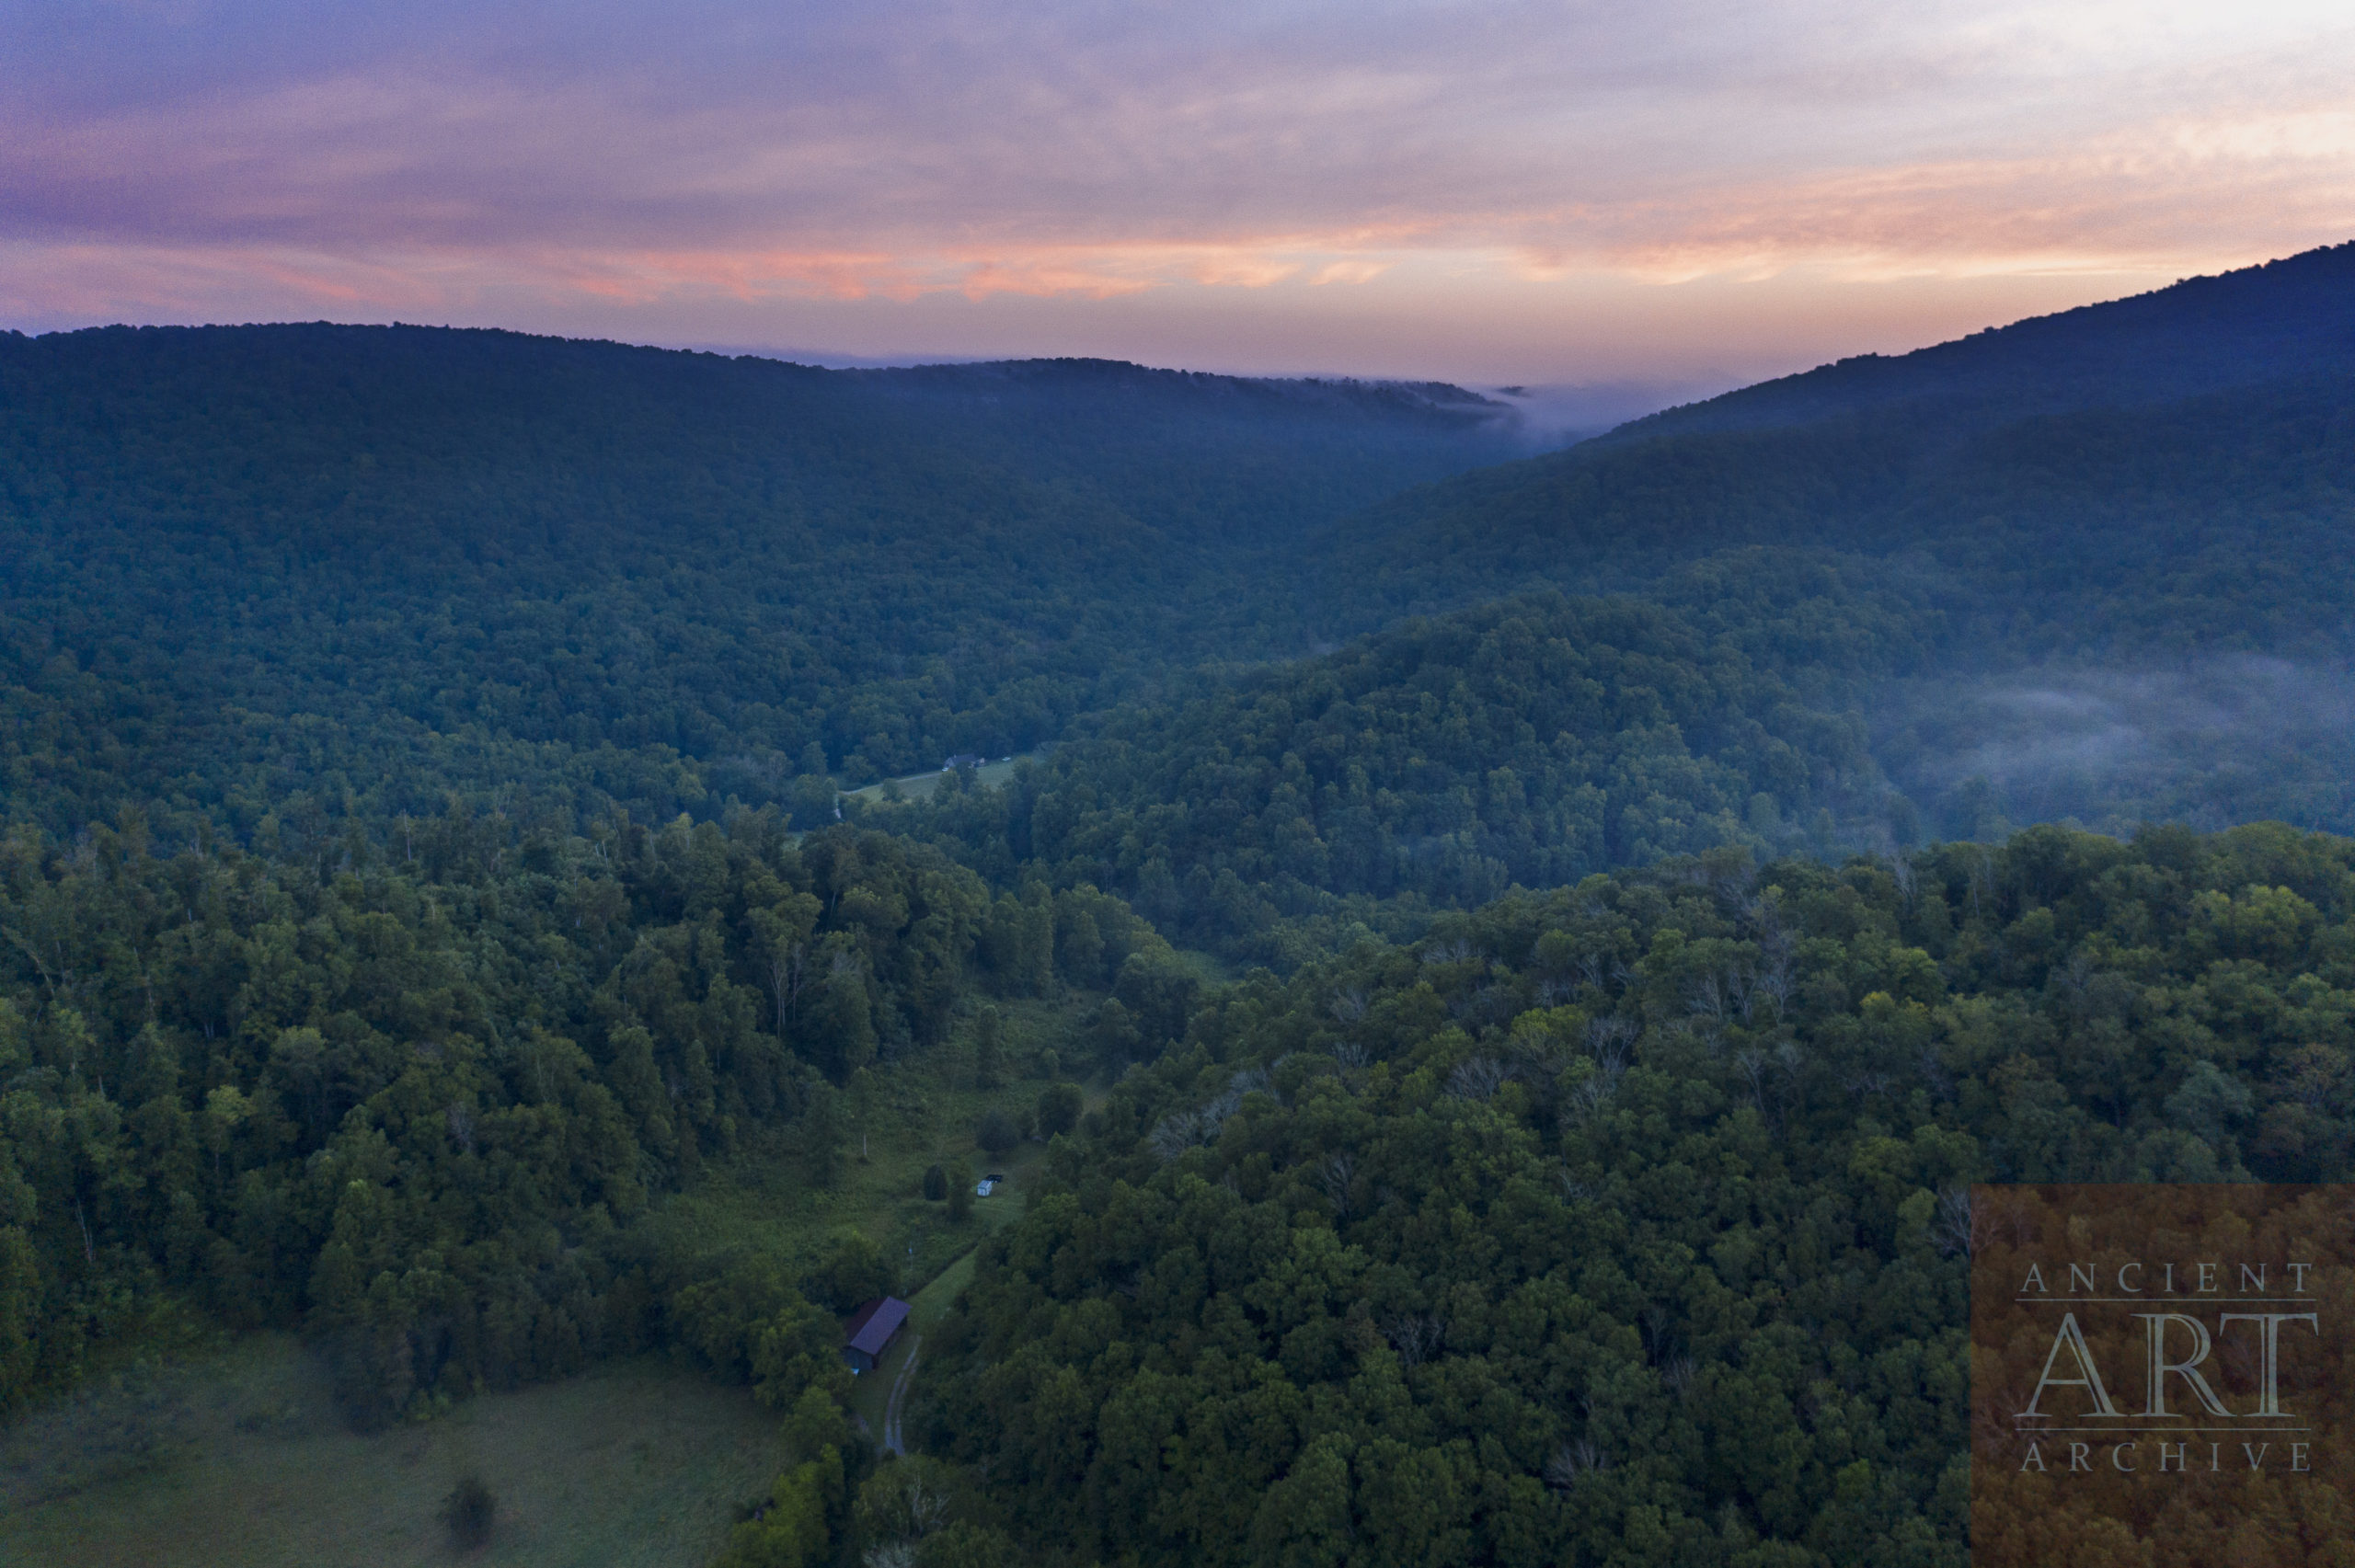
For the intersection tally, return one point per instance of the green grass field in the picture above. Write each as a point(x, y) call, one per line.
point(916, 786)
point(930, 1304)
point(903, 1116)
point(638, 1462)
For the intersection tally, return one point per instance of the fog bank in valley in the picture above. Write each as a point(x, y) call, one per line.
point(2228, 740)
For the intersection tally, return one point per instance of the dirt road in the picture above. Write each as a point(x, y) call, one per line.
point(893, 1442)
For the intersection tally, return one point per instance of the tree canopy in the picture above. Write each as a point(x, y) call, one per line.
point(1627, 1223)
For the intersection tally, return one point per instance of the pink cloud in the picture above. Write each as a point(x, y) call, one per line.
point(1210, 165)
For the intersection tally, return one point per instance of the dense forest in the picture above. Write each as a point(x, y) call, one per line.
point(1534, 741)
point(1625, 1223)
point(1506, 968)
point(2128, 531)
point(375, 565)
point(415, 1104)
point(366, 567)
point(2293, 318)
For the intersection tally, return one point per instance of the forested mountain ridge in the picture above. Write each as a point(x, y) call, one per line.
point(2281, 319)
point(182, 419)
point(2228, 393)
point(613, 573)
point(2219, 518)
point(1229, 456)
point(2148, 551)
point(610, 574)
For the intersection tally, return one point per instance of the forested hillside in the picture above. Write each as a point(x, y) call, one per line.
point(2156, 491)
point(2289, 319)
point(1625, 1223)
point(2209, 522)
point(416, 1102)
point(380, 564)
point(317, 572)
point(2178, 464)
point(1531, 741)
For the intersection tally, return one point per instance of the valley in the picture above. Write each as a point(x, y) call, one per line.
point(1491, 973)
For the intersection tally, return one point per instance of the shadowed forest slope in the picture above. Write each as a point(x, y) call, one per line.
point(1532, 741)
point(2156, 491)
point(2231, 391)
point(2283, 320)
point(391, 561)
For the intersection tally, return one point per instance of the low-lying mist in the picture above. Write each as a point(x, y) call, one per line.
point(2230, 739)
point(1562, 413)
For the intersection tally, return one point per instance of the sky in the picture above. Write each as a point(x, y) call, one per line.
point(1665, 193)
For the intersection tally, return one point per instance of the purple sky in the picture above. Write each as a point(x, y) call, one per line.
point(1565, 192)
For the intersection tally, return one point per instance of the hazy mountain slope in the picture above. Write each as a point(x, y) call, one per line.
point(2290, 317)
point(2218, 402)
point(2215, 517)
point(2134, 517)
point(1233, 458)
point(596, 561)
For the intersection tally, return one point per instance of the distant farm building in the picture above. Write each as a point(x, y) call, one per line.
point(963, 760)
point(869, 1332)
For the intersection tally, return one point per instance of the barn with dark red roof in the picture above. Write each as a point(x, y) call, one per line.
point(869, 1332)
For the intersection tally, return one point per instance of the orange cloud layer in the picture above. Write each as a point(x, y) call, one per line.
point(1230, 163)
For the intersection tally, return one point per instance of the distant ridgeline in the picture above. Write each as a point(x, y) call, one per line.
point(2131, 522)
point(317, 571)
point(2178, 465)
point(387, 563)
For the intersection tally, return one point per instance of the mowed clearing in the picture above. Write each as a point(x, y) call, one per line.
point(634, 1463)
point(916, 787)
point(871, 1398)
